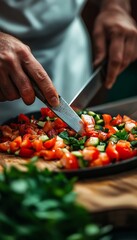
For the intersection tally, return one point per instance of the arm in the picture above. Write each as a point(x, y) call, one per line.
point(115, 37)
point(17, 66)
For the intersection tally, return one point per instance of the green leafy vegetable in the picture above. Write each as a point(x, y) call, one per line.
point(38, 204)
point(122, 134)
point(73, 141)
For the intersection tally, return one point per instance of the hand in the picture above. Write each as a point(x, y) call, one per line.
point(114, 38)
point(17, 66)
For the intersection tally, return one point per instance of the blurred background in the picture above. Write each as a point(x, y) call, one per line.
point(126, 84)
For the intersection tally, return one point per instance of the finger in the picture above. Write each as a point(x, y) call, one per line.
point(37, 72)
point(99, 43)
point(116, 52)
point(7, 88)
point(23, 84)
point(130, 52)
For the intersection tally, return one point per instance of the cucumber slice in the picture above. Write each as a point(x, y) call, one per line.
point(92, 141)
point(77, 153)
point(101, 147)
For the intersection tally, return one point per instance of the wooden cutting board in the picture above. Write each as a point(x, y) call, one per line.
point(116, 192)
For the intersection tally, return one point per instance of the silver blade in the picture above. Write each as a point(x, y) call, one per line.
point(88, 91)
point(63, 111)
point(68, 115)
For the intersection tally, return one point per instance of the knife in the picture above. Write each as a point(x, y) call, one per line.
point(63, 111)
point(89, 90)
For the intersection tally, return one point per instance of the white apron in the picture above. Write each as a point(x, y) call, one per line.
point(58, 40)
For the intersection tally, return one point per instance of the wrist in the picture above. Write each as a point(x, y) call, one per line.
point(116, 5)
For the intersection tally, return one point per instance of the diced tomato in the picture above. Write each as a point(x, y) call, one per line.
point(124, 149)
point(15, 144)
point(59, 143)
point(89, 123)
point(127, 119)
point(37, 144)
point(47, 154)
point(49, 143)
point(58, 123)
point(23, 118)
point(129, 126)
point(97, 163)
point(111, 130)
point(112, 152)
point(52, 133)
point(26, 152)
point(117, 120)
point(26, 143)
point(106, 118)
point(103, 136)
point(48, 126)
point(69, 161)
point(102, 160)
point(4, 146)
point(46, 112)
point(90, 153)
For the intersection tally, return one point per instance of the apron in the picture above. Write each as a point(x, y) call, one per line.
point(58, 39)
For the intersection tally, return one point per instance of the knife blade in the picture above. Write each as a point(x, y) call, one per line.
point(89, 90)
point(63, 111)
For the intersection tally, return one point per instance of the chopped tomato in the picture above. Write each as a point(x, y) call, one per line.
point(48, 126)
point(103, 136)
point(23, 118)
point(124, 149)
point(112, 152)
point(58, 123)
point(89, 123)
point(117, 120)
point(15, 144)
point(106, 118)
point(49, 143)
point(46, 112)
point(37, 144)
point(26, 143)
point(26, 152)
point(90, 153)
point(111, 130)
point(69, 161)
point(97, 163)
point(59, 143)
point(48, 154)
point(4, 146)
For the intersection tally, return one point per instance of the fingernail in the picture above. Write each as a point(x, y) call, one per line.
point(54, 101)
point(109, 85)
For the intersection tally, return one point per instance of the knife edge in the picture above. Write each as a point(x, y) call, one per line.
point(63, 111)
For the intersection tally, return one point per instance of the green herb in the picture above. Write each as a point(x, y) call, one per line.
point(38, 204)
point(75, 143)
point(134, 130)
point(122, 134)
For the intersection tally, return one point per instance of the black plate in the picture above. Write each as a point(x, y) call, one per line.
point(96, 172)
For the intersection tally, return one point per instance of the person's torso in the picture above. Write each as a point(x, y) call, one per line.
point(31, 18)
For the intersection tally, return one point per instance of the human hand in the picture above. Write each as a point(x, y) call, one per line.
point(17, 66)
point(114, 38)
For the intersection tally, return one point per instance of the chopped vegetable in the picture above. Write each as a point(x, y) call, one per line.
point(105, 139)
